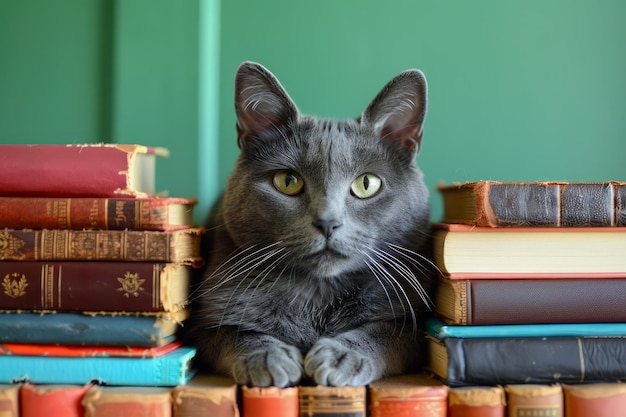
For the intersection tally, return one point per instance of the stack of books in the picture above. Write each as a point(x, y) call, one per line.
point(532, 289)
point(94, 267)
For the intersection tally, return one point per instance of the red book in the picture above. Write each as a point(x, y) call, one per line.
point(127, 401)
point(93, 170)
point(477, 402)
point(408, 396)
point(87, 351)
point(270, 402)
point(52, 400)
point(597, 400)
point(139, 287)
point(96, 213)
point(10, 400)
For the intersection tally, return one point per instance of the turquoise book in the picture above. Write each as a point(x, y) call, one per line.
point(166, 371)
point(443, 331)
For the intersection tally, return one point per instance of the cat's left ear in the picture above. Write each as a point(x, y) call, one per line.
point(398, 111)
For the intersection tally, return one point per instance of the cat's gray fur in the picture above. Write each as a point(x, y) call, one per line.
point(320, 285)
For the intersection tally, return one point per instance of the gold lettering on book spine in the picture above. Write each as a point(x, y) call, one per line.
point(10, 245)
point(131, 284)
point(14, 285)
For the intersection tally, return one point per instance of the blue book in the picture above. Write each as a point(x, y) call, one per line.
point(443, 331)
point(86, 330)
point(169, 370)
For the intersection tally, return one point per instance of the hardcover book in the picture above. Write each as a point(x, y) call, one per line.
point(180, 246)
point(553, 204)
point(597, 400)
point(168, 370)
point(90, 329)
point(140, 287)
point(322, 401)
point(477, 401)
point(475, 252)
point(206, 395)
point(530, 301)
point(10, 400)
point(87, 351)
point(527, 360)
point(52, 400)
point(533, 400)
point(90, 170)
point(269, 401)
point(96, 213)
point(417, 395)
point(127, 402)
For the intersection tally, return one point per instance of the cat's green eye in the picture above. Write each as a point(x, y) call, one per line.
point(288, 182)
point(366, 185)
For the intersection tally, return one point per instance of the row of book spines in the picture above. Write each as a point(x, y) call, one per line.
point(221, 400)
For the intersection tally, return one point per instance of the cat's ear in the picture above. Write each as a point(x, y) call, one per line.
point(398, 111)
point(262, 105)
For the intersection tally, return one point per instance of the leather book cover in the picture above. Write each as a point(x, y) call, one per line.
point(534, 400)
point(206, 395)
point(140, 287)
point(10, 400)
point(52, 400)
point(89, 170)
point(477, 401)
point(96, 213)
point(269, 401)
point(531, 301)
point(179, 246)
point(319, 401)
point(127, 402)
point(597, 400)
point(418, 395)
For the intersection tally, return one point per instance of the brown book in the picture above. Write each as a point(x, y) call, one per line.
point(52, 400)
point(138, 287)
point(554, 204)
point(530, 301)
point(417, 395)
point(269, 402)
point(96, 213)
point(128, 402)
point(322, 401)
point(477, 402)
point(534, 400)
point(479, 252)
point(180, 246)
point(597, 400)
point(10, 400)
point(206, 395)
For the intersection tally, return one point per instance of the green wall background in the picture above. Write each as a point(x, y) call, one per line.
point(518, 90)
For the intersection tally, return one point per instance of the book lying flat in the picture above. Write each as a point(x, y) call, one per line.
point(171, 369)
point(89, 170)
point(23, 349)
point(86, 329)
point(516, 204)
point(527, 360)
point(475, 252)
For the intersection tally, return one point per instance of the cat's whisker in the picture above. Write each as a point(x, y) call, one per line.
point(413, 257)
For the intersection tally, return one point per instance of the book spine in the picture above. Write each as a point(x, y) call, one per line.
point(93, 286)
point(270, 402)
point(214, 397)
point(477, 402)
point(533, 400)
point(492, 361)
point(322, 401)
point(127, 402)
point(597, 400)
point(530, 301)
point(429, 402)
point(52, 401)
point(78, 329)
point(10, 400)
point(181, 246)
point(91, 213)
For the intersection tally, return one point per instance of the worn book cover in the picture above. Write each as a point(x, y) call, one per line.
point(534, 400)
point(417, 395)
point(127, 402)
point(320, 401)
point(269, 401)
point(206, 395)
point(78, 213)
point(477, 401)
point(89, 170)
point(52, 400)
point(179, 246)
point(10, 400)
point(597, 400)
point(519, 204)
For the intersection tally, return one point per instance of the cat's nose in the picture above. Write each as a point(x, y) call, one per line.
point(327, 227)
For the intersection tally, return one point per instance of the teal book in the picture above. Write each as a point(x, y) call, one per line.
point(169, 370)
point(442, 331)
point(87, 330)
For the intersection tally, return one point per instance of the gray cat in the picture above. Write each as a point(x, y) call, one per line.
point(313, 270)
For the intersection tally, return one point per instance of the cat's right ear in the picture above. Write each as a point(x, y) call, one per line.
point(262, 105)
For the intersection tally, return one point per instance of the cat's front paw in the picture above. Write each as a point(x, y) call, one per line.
point(330, 362)
point(276, 364)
